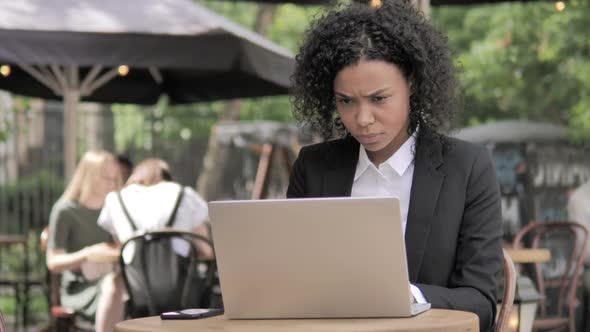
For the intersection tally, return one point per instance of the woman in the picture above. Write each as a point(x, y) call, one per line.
point(150, 198)
point(74, 238)
point(381, 77)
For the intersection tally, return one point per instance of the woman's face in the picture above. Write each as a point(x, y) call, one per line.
point(372, 99)
point(108, 179)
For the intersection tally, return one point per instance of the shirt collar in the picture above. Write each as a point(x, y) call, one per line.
point(399, 161)
point(362, 164)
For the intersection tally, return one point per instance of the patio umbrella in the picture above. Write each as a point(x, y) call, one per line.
point(132, 51)
point(432, 2)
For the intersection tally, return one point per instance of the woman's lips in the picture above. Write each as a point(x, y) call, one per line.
point(368, 139)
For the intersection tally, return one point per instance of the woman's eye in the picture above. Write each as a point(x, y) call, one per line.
point(344, 100)
point(378, 99)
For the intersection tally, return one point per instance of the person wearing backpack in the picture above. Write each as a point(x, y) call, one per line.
point(151, 201)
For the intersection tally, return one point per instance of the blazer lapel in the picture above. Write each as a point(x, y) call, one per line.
point(343, 158)
point(426, 184)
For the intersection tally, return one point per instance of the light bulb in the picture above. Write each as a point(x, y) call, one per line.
point(5, 70)
point(123, 70)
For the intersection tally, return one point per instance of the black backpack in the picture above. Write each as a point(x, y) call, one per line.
point(157, 278)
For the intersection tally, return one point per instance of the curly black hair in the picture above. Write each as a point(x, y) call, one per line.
point(395, 32)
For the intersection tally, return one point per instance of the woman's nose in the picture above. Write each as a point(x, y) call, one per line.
point(365, 115)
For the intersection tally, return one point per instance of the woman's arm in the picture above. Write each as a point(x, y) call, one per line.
point(478, 258)
point(205, 250)
point(196, 218)
point(58, 260)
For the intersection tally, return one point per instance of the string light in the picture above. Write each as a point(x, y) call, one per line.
point(376, 3)
point(5, 70)
point(559, 6)
point(123, 70)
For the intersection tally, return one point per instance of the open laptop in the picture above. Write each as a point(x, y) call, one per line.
point(312, 258)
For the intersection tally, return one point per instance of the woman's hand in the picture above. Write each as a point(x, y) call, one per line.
point(58, 260)
point(100, 250)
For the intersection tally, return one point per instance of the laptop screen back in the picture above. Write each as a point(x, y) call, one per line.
point(311, 258)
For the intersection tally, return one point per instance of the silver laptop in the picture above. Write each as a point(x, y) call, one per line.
point(312, 258)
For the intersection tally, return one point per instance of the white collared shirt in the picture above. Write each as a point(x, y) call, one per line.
point(392, 178)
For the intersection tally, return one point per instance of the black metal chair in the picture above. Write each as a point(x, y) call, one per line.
point(162, 272)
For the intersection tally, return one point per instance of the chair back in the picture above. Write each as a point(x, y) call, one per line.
point(52, 279)
point(2, 323)
point(577, 240)
point(508, 296)
point(160, 272)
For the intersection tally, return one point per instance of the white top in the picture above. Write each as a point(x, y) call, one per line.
point(150, 207)
point(392, 178)
point(578, 209)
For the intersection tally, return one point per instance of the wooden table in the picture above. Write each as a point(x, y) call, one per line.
point(432, 320)
point(529, 255)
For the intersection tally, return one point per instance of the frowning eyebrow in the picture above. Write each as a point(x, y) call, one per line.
point(378, 92)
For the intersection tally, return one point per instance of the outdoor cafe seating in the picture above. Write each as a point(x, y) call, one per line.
point(507, 300)
point(560, 313)
point(2, 324)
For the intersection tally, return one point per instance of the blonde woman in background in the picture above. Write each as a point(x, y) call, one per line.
point(150, 196)
point(74, 237)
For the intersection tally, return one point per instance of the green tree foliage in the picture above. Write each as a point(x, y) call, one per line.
point(526, 61)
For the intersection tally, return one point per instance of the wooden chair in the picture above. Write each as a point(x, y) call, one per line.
point(566, 284)
point(2, 323)
point(508, 296)
point(60, 317)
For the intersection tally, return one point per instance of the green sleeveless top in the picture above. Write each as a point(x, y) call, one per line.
point(73, 227)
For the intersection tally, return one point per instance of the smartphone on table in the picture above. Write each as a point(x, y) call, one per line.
point(191, 314)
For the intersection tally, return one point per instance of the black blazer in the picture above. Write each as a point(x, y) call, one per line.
point(454, 228)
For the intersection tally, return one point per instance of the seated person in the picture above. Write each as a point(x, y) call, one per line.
point(74, 238)
point(150, 197)
point(382, 78)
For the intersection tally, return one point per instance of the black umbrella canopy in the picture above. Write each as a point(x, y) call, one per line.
point(83, 49)
point(432, 2)
point(174, 47)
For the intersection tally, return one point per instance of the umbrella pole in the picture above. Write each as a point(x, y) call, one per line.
point(71, 95)
point(70, 135)
point(67, 83)
point(423, 5)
